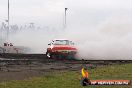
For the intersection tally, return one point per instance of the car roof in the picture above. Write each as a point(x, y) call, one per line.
point(60, 39)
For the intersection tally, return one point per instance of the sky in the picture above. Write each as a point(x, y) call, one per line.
point(51, 12)
point(42, 12)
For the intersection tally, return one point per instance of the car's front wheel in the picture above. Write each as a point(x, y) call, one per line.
point(49, 55)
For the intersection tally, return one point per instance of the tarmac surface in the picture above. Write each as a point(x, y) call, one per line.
point(24, 66)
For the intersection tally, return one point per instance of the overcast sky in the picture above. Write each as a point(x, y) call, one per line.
point(51, 12)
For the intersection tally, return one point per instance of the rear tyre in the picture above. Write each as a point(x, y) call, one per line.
point(71, 57)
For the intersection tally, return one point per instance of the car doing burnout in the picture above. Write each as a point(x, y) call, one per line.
point(61, 48)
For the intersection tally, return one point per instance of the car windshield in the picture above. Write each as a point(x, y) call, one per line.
point(61, 42)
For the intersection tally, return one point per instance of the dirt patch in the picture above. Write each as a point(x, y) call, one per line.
point(7, 76)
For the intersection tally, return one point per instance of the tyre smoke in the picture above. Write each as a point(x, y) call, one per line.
point(109, 40)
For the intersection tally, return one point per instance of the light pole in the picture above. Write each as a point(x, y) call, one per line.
point(8, 20)
point(65, 17)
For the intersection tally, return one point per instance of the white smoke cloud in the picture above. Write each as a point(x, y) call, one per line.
point(110, 39)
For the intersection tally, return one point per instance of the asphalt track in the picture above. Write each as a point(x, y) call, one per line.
point(23, 66)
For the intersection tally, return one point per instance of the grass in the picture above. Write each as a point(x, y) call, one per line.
point(71, 79)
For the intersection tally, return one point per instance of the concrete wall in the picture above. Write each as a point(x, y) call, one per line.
point(15, 49)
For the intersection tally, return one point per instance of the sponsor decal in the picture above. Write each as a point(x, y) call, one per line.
point(110, 82)
point(86, 81)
